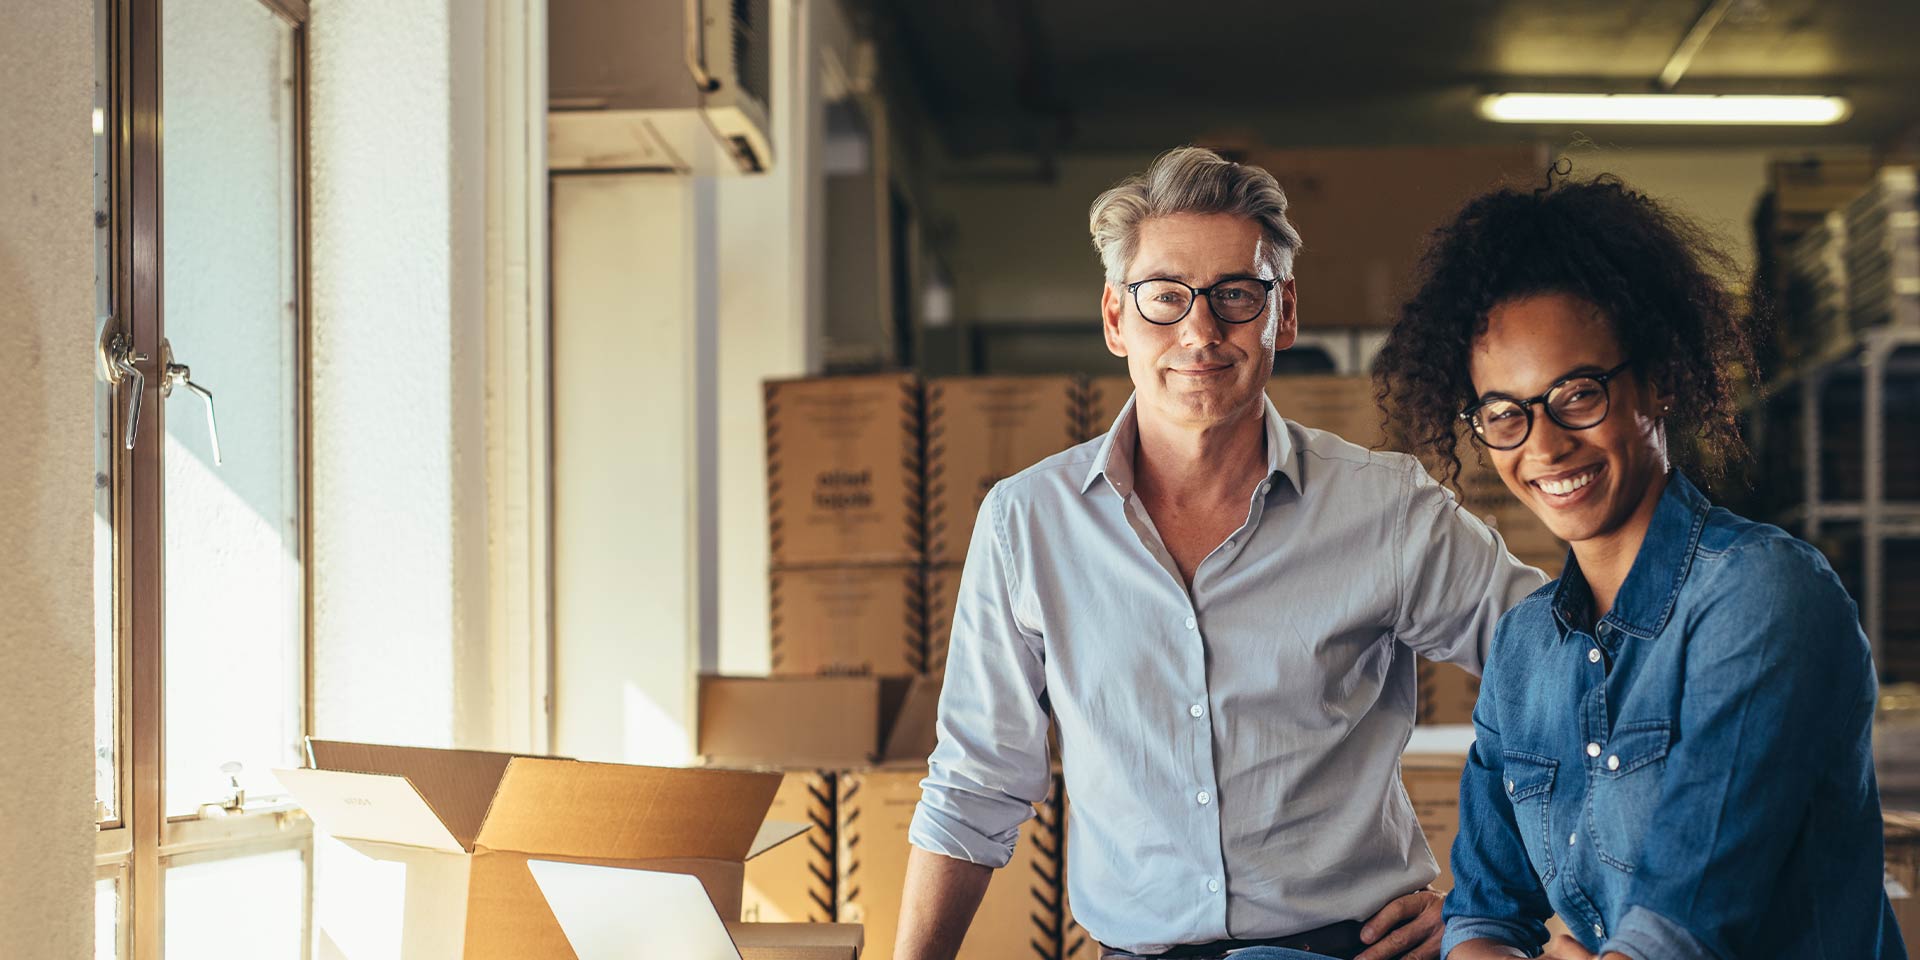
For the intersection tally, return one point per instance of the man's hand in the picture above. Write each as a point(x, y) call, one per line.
point(1406, 929)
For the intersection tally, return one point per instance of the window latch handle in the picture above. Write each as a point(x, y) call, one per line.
point(179, 374)
point(120, 366)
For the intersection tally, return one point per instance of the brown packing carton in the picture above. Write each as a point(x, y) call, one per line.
point(457, 829)
point(610, 913)
point(847, 620)
point(843, 471)
point(1433, 785)
point(816, 723)
point(795, 882)
point(1486, 496)
point(1104, 396)
point(1903, 870)
point(1366, 222)
point(1343, 406)
point(1019, 918)
point(981, 430)
point(1447, 693)
point(943, 594)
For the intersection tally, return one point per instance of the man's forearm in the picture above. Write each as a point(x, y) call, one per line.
point(937, 904)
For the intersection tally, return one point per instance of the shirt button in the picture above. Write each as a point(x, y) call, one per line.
point(1571, 837)
point(1599, 931)
point(1197, 711)
point(1204, 797)
point(1191, 623)
point(1509, 786)
point(1229, 544)
point(1613, 762)
point(1263, 488)
point(1593, 749)
point(1593, 655)
point(1213, 886)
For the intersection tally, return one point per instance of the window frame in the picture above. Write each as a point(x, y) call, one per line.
point(140, 842)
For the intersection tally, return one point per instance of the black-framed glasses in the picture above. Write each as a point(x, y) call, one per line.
point(1576, 402)
point(1166, 301)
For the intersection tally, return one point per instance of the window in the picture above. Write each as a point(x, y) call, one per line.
point(200, 532)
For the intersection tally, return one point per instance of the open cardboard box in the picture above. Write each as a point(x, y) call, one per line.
point(434, 844)
point(826, 723)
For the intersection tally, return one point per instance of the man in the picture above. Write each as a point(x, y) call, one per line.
point(1220, 609)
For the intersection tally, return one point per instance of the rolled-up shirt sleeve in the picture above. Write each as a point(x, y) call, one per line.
point(989, 766)
point(1456, 576)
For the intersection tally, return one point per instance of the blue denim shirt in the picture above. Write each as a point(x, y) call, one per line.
point(1692, 777)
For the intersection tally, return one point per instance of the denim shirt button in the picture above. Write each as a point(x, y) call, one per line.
point(1599, 931)
point(1593, 655)
point(1613, 762)
point(1571, 838)
point(1593, 749)
point(1509, 786)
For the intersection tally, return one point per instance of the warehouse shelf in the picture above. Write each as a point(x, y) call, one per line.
point(1871, 355)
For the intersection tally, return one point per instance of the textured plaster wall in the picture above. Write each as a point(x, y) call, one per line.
point(399, 466)
point(46, 488)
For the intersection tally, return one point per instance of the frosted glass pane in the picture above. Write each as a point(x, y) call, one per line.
point(106, 919)
point(235, 656)
point(253, 907)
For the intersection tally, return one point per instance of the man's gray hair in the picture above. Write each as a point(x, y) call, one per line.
point(1191, 180)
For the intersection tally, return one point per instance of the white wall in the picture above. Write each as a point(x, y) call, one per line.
point(46, 499)
point(771, 323)
point(398, 276)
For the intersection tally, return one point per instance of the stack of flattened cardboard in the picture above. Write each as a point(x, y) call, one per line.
point(430, 849)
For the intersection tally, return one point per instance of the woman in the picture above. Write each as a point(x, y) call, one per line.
point(1673, 739)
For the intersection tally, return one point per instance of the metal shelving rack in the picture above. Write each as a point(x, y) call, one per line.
point(1867, 279)
point(1876, 354)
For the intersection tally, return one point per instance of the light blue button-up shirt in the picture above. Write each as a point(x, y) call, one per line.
point(1231, 751)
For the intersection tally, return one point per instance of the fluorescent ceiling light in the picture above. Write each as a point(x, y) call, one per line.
point(1661, 108)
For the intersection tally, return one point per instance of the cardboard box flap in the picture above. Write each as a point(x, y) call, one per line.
point(369, 806)
point(457, 784)
point(790, 721)
point(774, 833)
point(811, 941)
point(612, 913)
point(615, 811)
point(910, 712)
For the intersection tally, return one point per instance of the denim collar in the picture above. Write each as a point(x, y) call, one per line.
point(1114, 458)
point(1647, 597)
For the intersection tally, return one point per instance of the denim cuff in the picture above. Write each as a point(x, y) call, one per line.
point(1645, 935)
point(1462, 929)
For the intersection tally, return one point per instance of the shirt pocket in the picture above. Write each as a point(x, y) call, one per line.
point(1529, 785)
point(1627, 781)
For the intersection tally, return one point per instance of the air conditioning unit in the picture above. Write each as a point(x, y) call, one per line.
point(677, 86)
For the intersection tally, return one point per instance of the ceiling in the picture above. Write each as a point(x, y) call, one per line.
point(1050, 76)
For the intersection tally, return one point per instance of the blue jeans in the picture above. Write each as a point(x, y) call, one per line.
point(1274, 953)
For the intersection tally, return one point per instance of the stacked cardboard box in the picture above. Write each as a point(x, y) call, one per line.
point(855, 749)
point(1447, 693)
point(1903, 870)
point(981, 430)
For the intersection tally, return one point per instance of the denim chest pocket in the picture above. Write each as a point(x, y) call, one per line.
point(1529, 786)
point(1627, 780)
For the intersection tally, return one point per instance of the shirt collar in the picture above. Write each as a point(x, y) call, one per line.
point(1652, 586)
point(1114, 457)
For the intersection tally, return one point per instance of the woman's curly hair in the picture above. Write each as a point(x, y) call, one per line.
point(1653, 274)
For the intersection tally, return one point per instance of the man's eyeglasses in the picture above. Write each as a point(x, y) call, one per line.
point(1234, 300)
point(1575, 402)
